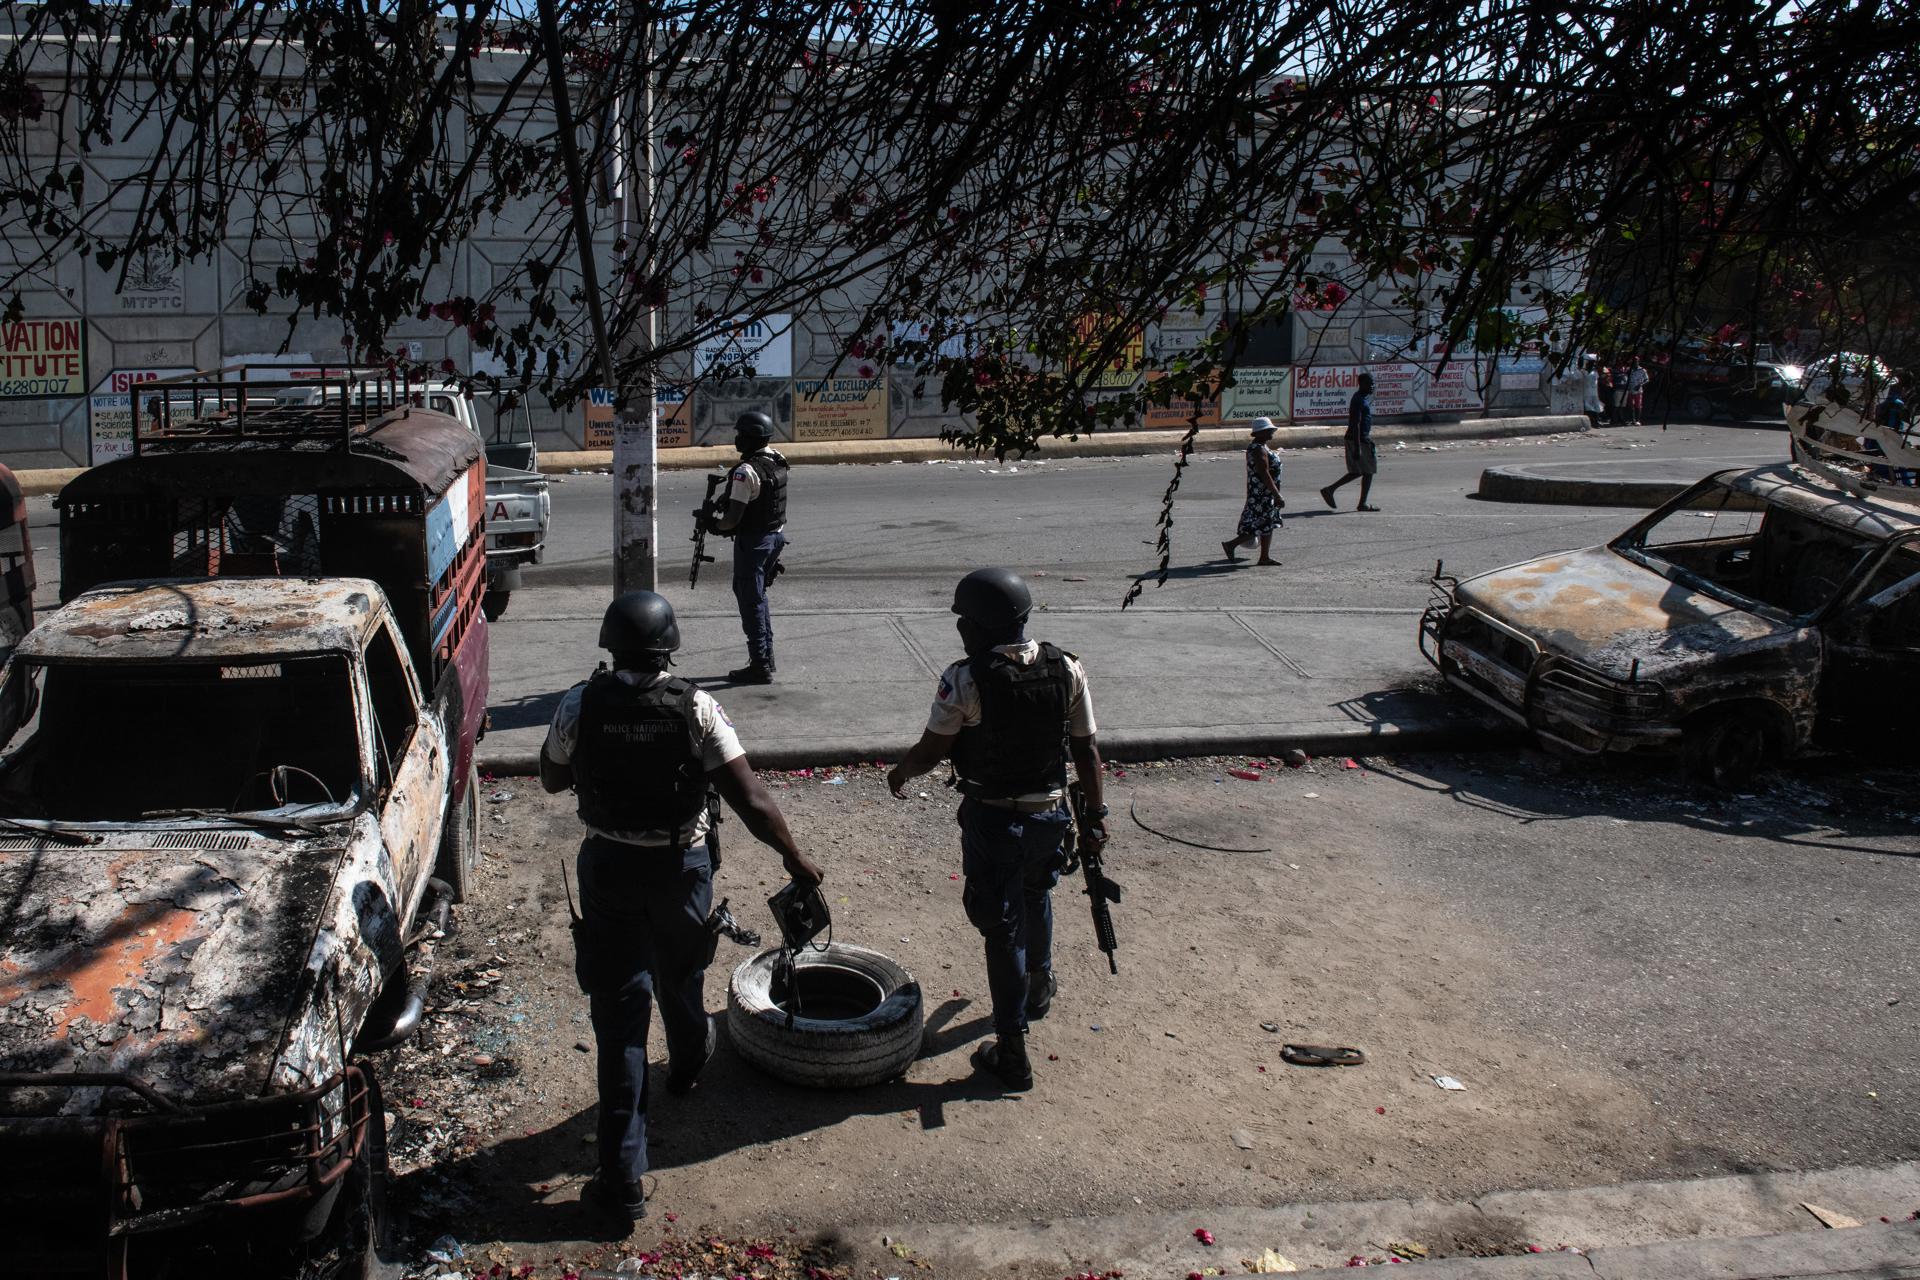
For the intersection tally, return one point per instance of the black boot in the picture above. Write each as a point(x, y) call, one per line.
point(618, 1199)
point(1006, 1059)
point(759, 671)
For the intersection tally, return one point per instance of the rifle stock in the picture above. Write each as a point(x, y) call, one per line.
point(1100, 890)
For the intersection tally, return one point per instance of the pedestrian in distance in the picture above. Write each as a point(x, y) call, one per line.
point(1637, 379)
point(1609, 406)
point(1011, 715)
point(1260, 516)
point(1590, 389)
point(753, 511)
point(646, 754)
point(1362, 460)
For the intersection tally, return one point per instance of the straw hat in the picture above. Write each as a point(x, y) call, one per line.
point(1262, 426)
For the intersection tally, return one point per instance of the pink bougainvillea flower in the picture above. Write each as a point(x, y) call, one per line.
point(1203, 1235)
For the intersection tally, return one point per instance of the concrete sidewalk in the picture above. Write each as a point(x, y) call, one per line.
point(1623, 482)
point(856, 685)
point(1106, 444)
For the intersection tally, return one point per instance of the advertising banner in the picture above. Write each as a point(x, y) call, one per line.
point(675, 417)
point(596, 419)
point(748, 349)
point(1258, 393)
point(839, 408)
point(1322, 391)
point(41, 359)
point(1178, 414)
point(110, 412)
point(1455, 389)
point(1094, 332)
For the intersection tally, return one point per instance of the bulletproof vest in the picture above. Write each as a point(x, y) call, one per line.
point(769, 510)
point(1020, 744)
point(636, 767)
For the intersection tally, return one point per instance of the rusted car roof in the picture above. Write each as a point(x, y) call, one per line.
point(198, 618)
point(1801, 490)
point(408, 449)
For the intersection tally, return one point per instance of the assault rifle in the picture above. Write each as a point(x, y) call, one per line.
point(1100, 891)
point(702, 519)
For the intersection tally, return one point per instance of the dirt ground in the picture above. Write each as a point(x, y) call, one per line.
point(1559, 940)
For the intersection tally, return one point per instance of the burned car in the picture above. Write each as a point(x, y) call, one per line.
point(1755, 615)
point(219, 807)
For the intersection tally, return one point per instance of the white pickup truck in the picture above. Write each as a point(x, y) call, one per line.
point(519, 508)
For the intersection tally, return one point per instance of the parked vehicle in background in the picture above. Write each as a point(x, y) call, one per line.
point(16, 565)
point(1864, 377)
point(1754, 616)
point(1700, 390)
point(519, 506)
point(237, 787)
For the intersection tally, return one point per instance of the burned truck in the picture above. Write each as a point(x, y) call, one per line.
point(1757, 615)
point(237, 797)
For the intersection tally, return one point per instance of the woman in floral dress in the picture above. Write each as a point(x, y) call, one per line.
point(1261, 515)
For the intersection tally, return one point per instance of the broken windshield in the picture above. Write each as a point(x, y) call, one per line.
point(103, 742)
point(1769, 559)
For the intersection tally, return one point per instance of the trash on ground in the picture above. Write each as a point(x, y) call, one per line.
point(1311, 795)
point(500, 797)
point(1294, 758)
point(835, 782)
point(1269, 1263)
point(446, 1249)
point(1828, 1217)
point(1450, 1084)
point(1349, 763)
point(1322, 1055)
point(1248, 774)
point(1270, 1026)
point(1242, 1139)
point(1411, 1250)
point(1203, 1235)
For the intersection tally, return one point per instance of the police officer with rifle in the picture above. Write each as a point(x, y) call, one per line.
point(753, 511)
point(646, 753)
point(1011, 715)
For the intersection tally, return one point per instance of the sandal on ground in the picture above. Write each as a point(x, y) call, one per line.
point(1321, 1055)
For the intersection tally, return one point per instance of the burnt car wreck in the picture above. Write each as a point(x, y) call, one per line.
point(1758, 615)
point(235, 809)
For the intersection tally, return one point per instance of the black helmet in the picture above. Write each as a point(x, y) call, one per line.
point(996, 600)
point(754, 423)
point(639, 622)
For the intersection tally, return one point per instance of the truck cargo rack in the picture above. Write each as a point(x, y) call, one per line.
point(242, 406)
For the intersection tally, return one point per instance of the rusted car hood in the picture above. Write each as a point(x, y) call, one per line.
point(179, 965)
point(1604, 610)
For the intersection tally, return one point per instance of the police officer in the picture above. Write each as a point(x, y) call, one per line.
point(754, 512)
point(644, 752)
point(1011, 715)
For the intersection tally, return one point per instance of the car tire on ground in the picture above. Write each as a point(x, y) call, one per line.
point(368, 1225)
point(494, 603)
point(460, 842)
point(1725, 748)
point(1699, 408)
point(838, 1052)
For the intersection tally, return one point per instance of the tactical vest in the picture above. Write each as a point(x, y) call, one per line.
point(769, 509)
point(1020, 744)
point(636, 766)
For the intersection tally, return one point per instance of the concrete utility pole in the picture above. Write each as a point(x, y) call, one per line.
point(634, 428)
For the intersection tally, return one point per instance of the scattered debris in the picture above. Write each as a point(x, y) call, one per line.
point(1268, 1263)
point(1321, 1055)
point(1270, 1026)
point(1411, 1250)
point(1242, 1139)
point(1828, 1217)
point(1203, 1235)
point(1450, 1084)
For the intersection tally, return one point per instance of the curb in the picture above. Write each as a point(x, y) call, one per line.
point(1331, 738)
point(1538, 484)
point(1115, 444)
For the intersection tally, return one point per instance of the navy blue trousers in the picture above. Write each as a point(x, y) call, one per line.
point(644, 938)
point(1012, 861)
point(751, 560)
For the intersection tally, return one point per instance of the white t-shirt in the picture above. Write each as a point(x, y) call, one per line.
point(713, 737)
point(743, 484)
point(956, 703)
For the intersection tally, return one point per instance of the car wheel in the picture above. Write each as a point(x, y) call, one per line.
point(368, 1245)
point(494, 603)
point(460, 842)
point(1727, 748)
point(1699, 408)
point(861, 1018)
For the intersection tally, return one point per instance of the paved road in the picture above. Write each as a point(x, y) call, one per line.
point(899, 535)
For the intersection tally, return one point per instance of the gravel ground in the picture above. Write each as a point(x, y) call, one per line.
point(1631, 980)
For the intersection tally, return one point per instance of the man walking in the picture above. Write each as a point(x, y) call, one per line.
point(1362, 461)
point(754, 512)
point(1011, 715)
point(1637, 379)
point(645, 752)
